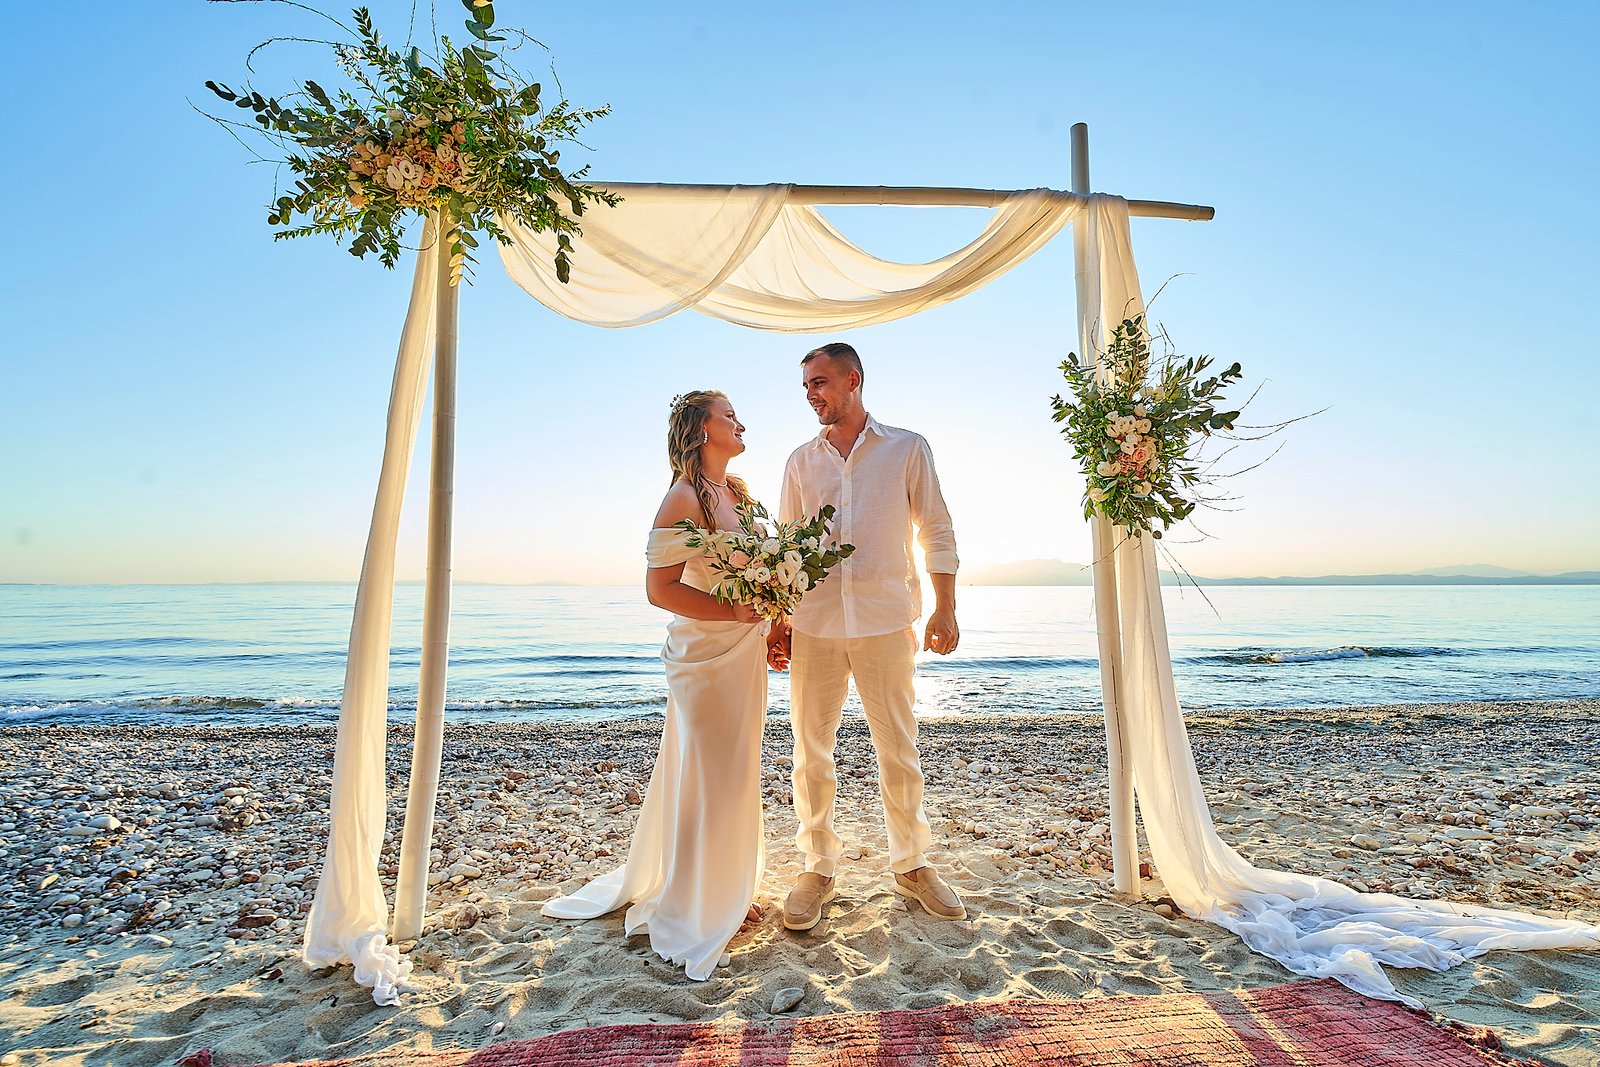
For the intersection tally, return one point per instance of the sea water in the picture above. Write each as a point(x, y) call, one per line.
point(275, 654)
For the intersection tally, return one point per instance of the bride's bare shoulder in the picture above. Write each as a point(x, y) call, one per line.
point(680, 503)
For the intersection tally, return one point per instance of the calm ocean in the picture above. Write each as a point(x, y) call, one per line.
point(260, 654)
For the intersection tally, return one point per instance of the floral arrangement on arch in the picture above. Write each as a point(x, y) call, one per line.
point(1137, 425)
point(459, 132)
point(769, 565)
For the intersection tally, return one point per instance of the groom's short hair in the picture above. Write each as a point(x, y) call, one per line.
point(839, 352)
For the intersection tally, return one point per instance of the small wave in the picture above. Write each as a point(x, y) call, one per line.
point(75, 644)
point(1344, 651)
point(1006, 663)
point(1323, 655)
point(200, 703)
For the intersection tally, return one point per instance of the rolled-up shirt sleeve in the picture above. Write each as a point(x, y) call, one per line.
point(789, 503)
point(929, 514)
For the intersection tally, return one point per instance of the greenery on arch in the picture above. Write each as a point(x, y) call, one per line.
point(459, 131)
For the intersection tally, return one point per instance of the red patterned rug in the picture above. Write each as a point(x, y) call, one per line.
point(1300, 1024)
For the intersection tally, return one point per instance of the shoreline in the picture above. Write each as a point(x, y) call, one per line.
point(190, 889)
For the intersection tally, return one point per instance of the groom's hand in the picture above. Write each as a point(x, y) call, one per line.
point(942, 635)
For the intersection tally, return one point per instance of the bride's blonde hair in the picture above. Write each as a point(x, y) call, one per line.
point(686, 433)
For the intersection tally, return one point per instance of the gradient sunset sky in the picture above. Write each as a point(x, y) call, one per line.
point(1406, 235)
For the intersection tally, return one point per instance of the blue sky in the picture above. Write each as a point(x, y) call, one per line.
point(1405, 235)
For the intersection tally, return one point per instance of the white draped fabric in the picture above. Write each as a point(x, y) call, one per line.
point(746, 255)
point(349, 917)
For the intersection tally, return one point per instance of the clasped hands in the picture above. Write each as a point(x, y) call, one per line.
point(779, 641)
point(941, 636)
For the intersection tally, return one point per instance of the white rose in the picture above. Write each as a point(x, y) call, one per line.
point(1129, 444)
point(802, 582)
point(1097, 494)
point(1109, 469)
point(1143, 489)
point(792, 558)
point(1142, 426)
point(763, 575)
point(393, 177)
point(771, 546)
point(1139, 409)
point(785, 572)
point(750, 572)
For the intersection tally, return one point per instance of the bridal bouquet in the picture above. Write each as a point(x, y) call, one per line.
point(1137, 427)
point(459, 132)
point(767, 564)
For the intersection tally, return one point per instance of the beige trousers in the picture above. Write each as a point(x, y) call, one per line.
point(820, 671)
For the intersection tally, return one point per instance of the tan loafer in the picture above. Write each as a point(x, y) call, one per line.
point(929, 890)
point(803, 908)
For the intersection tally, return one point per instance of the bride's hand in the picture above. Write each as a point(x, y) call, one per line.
point(745, 613)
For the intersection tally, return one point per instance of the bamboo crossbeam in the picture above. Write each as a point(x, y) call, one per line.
point(918, 196)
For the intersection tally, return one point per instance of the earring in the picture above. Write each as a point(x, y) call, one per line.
point(706, 440)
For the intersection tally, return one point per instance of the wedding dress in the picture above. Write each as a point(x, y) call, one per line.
point(699, 846)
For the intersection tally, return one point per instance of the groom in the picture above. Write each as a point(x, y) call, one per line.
point(859, 624)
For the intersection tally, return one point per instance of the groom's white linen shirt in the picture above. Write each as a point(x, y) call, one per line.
point(882, 489)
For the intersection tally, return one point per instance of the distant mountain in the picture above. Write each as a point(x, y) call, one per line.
point(1570, 578)
point(1057, 572)
point(1476, 570)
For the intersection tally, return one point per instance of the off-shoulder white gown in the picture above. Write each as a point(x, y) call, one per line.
point(699, 846)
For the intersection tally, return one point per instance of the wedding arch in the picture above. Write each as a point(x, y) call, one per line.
point(765, 258)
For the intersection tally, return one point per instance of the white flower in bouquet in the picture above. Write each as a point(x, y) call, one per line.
point(768, 565)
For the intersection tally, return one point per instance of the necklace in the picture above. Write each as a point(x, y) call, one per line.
point(719, 485)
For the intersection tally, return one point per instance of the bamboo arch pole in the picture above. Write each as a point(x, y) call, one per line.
point(1124, 834)
point(416, 840)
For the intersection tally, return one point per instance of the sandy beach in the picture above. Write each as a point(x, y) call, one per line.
point(156, 877)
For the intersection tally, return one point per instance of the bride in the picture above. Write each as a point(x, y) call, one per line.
point(698, 849)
